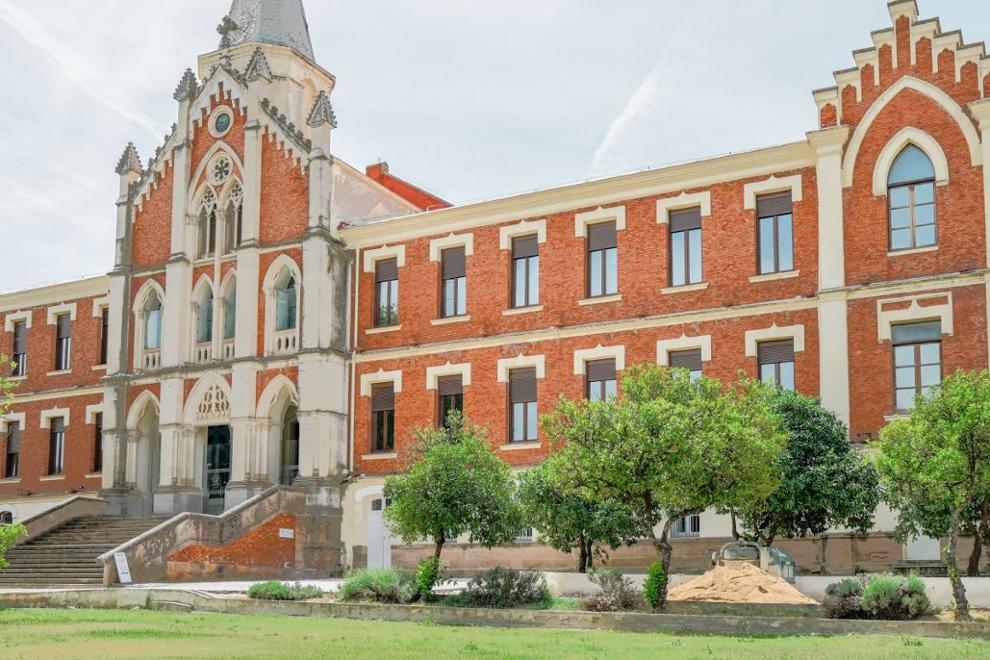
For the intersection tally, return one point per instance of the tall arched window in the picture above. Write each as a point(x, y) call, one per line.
point(153, 323)
point(911, 197)
point(285, 302)
point(230, 309)
point(233, 218)
point(204, 315)
point(207, 225)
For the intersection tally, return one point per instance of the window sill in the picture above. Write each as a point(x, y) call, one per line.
point(16, 379)
point(601, 300)
point(59, 372)
point(516, 311)
point(773, 277)
point(684, 288)
point(11, 480)
point(53, 477)
point(380, 456)
point(383, 330)
point(517, 446)
point(920, 250)
point(898, 415)
point(99, 367)
point(451, 319)
point(94, 475)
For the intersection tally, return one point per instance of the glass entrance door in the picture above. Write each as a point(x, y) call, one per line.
point(217, 467)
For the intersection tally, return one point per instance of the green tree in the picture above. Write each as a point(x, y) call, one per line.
point(6, 384)
point(567, 519)
point(668, 448)
point(8, 537)
point(455, 485)
point(825, 481)
point(935, 464)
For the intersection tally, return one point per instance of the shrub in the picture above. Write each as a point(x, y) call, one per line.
point(428, 575)
point(842, 599)
point(656, 577)
point(275, 590)
point(8, 537)
point(380, 585)
point(503, 588)
point(617, 592)
point(895, 597)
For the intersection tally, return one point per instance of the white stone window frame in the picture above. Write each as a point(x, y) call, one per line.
point(211, 122)
point(702, 200)
point(379, 377)
point(372, 257)
point(773, 184)
point(684, 343)
point(438, 245)
point(584, 356)
point(905, 137)
point(92, 411)
point(268, 290)
point(522, 228)
point(205, 282)
point(774, 333)
point(149, 287)
point(915, 313)
point(18, 417)
point(99, 304)
point(51, 413)
point(12, 318)
point(434, 374)
point(56, 311)
point(538, 362)
point(598, 216)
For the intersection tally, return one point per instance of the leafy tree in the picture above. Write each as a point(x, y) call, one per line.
point(567, 519)
point(935, 464)
point(8, 537)
point(826, 483)
point(6, 384)
point(669, 448)
point(455, 485)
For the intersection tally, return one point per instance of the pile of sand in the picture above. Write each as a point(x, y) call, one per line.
point(739, 583)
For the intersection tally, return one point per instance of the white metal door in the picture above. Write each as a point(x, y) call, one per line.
point(379, 541)
point(922, 548)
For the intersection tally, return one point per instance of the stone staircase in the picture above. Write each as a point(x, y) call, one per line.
point(67, 554)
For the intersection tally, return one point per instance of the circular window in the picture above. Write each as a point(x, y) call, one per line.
point(220, 169)
point(220, 122)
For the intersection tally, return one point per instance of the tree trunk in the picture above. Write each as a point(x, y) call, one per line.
point(735, 531)
point(973, 570)
point(438, 548)
point(958, 588)
point(590, 554)
point(666, 550)
point(582, 556)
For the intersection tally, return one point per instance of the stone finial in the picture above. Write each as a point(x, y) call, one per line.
point(188, 87)
point(129, 161)
point(228, 26)
point(257, 67)
point(322, 112)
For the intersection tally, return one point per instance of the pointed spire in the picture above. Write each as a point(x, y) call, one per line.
point(322, 112)
point(188, 87)
point(129, 161)
point(258, 67)
point(279, 22)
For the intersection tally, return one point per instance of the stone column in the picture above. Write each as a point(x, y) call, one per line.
point(249, 474)
point(179, 486)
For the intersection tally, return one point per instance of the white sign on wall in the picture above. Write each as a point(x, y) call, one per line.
point(123, 570)
point(285, 533)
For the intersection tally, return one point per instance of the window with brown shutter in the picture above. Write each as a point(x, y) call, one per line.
point(19, 354)
point(522, 405)
point(387, 292)
point(603, 256)
point(10, 466)
point(63, 342)
point(775, 233)
point(104, 333)
point(450, 398)
point(685, 247)
point(383, 417)
point(600, 380)
point(776, 362)
point(98, 442)
point(690, 360)
point(525, 271)
point(453, 291)
point(56, 446)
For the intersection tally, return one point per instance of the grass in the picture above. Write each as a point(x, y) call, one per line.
point(67, 634)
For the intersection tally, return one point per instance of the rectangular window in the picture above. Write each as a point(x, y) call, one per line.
point(685, 247)
point(10, 465)
point(687, 526)
point(383, 417)
point(917, 361)
point(56, 446)
point(912, 216)
point(104, 333)
point(386, 292)
point(98, 442)
point(19, 354)
point(776, 360)
point(775, 233)
point(600, 382)
point(522, 405)
point(690, 360)
point(454, 286)
point(450, 398)
point(63, 342)
point(603, 260)
point(525, 271)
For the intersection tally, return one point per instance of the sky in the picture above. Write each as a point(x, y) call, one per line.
point(469, 99)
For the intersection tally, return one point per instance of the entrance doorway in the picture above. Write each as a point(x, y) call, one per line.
point(379, 540)
point(217, 467)
point(290, 448)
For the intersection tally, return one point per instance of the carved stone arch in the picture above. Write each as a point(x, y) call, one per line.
point(278, 395)
point(140, 407)
point(929, 90)
point(196, 188)
point(278, 272)
point(229, 279)
point(208, 401)
point(283, 261)
point(141, 299)
point(904, 137)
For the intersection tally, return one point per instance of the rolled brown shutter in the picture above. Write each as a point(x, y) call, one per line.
point(685, 219)
point(382, 398)
point(64, 325)
point(20, 337)
point(453, 262)
point(387, 270)
point(450, 386)
point(522, 385)
point(601, 236)
point(771, 205)
point(525, 246)
point(13, 438)
point(775, 352)
point(690, 360)
point(600, 370)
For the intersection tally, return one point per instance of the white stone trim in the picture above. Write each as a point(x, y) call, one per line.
point(211, 121)
point(506, 365)
point(772, 185)
point(383, 330)
point(942, 313)
point(51, 413)
point(433, 374)
point(772, 277)
point(438, 245)
point(380, 376)
point(683, 201)
point(754, 337)
point(92, 411)
point(893, 148)
point(601, 300)
point(601, 214)
point(371, 257)
point(99, 305)
point(582, 357)
point(447, 320)
point(684, 343)
point(684, 288)
point(18, 417)
point(516, 311)
point(12, 318)
point(920, 250)
point(522, 228)
point(55, 311)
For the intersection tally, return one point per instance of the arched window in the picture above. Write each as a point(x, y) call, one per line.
point(230, 310)
point(204, 315)
point(290, 447)
point(911, 197)
point(207, 244)
point(285, 302)
point(153, 323)
point(233, 218)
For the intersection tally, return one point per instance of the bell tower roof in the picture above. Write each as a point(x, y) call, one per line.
point(279, 22)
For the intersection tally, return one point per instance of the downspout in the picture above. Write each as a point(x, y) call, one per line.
point(352, 309)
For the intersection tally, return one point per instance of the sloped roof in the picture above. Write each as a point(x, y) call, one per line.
point(279, 22)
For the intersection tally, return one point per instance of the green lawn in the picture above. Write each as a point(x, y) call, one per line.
point(66, 634)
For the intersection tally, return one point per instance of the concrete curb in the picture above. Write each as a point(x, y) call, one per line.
point(180, 600)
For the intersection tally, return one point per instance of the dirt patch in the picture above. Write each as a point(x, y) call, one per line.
point(743, 583)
